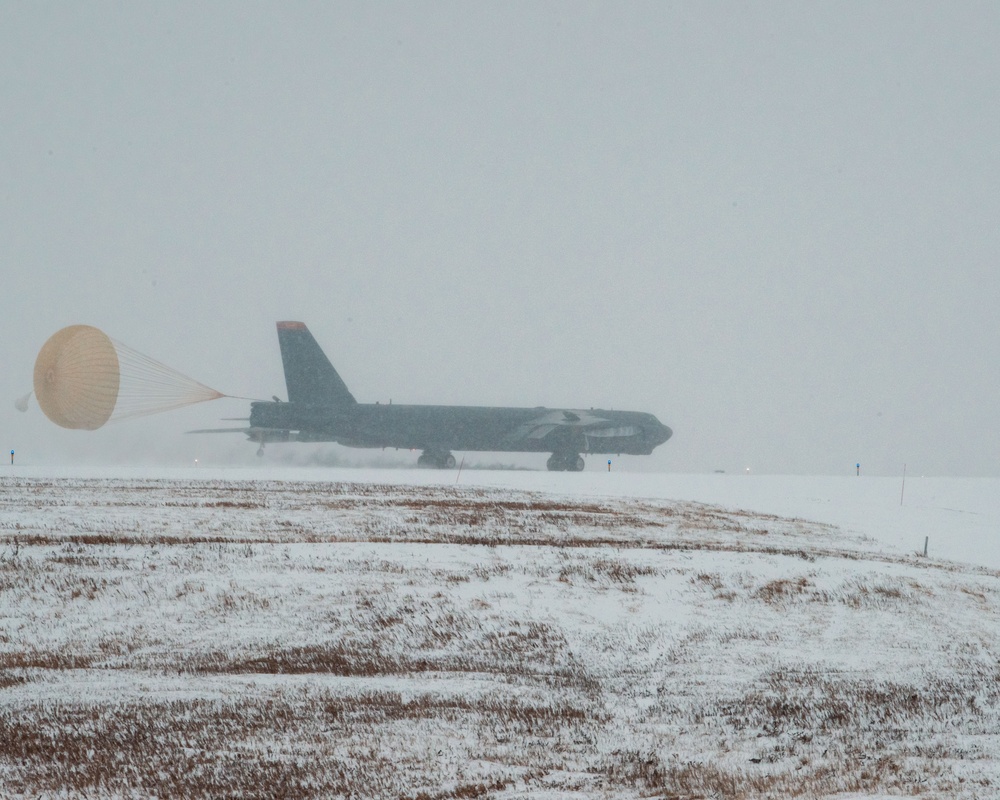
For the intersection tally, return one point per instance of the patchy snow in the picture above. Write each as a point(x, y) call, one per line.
point(251, 633)
point(959, 516)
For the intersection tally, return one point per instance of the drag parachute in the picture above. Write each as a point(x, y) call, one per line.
point(84, 378)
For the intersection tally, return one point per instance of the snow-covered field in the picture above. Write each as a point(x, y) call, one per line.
point(292, 633)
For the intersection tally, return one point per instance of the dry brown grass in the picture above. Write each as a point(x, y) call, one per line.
point(255, 513)
point(782, 589)
point(256, 747)
point(533, 652)
point(264, 722)
point(180, 749)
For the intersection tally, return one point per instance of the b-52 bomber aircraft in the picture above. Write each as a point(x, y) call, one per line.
point(320, 408)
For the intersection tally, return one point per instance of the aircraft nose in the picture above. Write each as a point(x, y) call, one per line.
point(655, 432)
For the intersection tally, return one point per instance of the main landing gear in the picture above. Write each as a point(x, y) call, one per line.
point(436, 459)
point(565, 462)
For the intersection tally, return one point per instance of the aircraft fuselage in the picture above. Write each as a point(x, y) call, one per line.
point(443, 428)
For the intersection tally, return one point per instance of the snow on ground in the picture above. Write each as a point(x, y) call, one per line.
point(262, 633)
point(959, 516)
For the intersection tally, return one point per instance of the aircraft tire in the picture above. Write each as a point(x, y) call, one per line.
point(565, 462)
point(448, 462)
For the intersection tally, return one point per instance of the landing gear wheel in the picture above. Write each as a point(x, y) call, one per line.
point(565, 462)
point(436, 459)
point(260, 451)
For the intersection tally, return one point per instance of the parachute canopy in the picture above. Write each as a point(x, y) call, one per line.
point(83, 379)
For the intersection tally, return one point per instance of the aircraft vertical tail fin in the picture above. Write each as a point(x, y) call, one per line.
point(309, 375)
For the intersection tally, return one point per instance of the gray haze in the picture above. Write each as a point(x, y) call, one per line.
point(773, 225)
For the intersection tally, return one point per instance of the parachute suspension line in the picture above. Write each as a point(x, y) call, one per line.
point(148, 386)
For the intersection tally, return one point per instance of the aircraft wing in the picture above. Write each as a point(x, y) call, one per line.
point(550, 420)
point(541, 431)
point(613, 430)
point(261, 435)
point(588, 424)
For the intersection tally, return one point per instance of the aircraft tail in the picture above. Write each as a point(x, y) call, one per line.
point(309, 375)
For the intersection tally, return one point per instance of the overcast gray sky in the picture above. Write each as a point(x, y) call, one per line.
point(773, 225)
